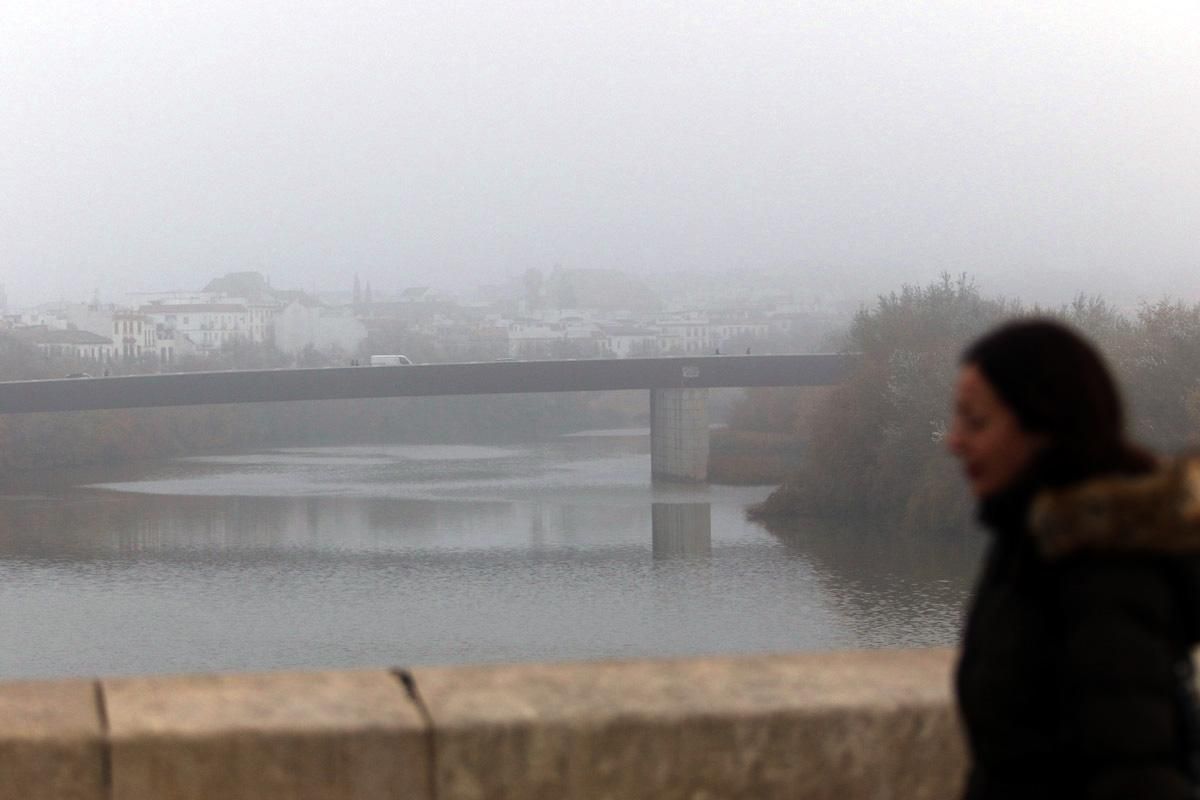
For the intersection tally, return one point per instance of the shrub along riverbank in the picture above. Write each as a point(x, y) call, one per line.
point(753, 458)
point(875, 444)
point(766, 438)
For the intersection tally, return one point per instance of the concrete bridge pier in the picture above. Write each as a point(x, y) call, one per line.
point(679, 434)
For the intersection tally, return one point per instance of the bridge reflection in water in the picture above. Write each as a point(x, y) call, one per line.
point(681, 530)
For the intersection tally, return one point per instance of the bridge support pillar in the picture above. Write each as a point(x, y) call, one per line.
point(679, 434)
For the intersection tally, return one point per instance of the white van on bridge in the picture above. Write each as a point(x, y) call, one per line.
point(390, 361)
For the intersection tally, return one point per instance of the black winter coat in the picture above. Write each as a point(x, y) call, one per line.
point(1074, 679)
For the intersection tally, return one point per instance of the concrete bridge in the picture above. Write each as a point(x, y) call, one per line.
point(678, 390)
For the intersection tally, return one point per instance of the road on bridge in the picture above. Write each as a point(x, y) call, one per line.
point(423, 380)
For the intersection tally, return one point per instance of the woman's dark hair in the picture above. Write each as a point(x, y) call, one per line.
point(1057, 385)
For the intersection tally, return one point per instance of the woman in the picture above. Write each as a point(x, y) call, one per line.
point(1075, 674)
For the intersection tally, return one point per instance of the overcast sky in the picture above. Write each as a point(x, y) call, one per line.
point(152, 145)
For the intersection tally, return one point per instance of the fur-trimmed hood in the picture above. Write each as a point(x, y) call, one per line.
point(1154, 513)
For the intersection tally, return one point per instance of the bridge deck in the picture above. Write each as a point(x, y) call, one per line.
point(424, 380)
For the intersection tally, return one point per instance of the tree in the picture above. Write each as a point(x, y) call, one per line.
point(876, 445)
point(1161, 369)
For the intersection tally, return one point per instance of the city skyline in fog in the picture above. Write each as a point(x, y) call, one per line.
point(1045, 150)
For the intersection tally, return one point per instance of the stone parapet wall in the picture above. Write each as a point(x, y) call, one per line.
point(871, 724)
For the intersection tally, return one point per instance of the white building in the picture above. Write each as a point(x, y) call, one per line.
point(82, 345)
point(172, 345)
point(211, 326)
point(133, 335)
point(301, 325)
point(624, 341)
point(689, 334)
point(531, 339)
point(724, 332)
point(49, 317)
point(262, 321)
point(535, 338)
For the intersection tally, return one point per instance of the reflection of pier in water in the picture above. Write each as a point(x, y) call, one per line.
point(681, 530)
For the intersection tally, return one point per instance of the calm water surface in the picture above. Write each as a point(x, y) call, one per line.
point(424, 554)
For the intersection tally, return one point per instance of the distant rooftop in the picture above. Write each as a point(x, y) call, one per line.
point(194, 308)
point(42, 335)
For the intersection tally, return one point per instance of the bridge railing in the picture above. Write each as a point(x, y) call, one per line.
point(833, 725)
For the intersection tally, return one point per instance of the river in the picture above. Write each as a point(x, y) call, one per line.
point(427, 554)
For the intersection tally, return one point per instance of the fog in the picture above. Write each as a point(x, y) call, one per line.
point(1047, 148)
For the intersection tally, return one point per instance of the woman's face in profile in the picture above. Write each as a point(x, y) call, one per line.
point(986, 435)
